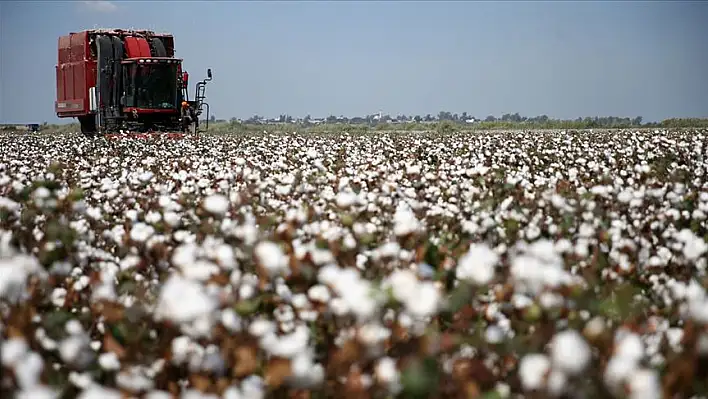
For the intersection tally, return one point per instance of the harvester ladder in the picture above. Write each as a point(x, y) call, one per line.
point(199, 97)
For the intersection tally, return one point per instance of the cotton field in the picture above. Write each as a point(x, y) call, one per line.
point(476, 265)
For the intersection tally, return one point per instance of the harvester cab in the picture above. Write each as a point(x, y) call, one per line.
point(117, 81)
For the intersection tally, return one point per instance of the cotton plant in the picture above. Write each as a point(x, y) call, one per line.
point(419, 264)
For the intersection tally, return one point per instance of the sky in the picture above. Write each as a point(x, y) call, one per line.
point(562, 59)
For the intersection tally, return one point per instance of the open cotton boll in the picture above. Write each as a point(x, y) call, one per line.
point(477, 265)
point(644, 384)
point(37, 392)
point(271, 257)
point(183, 300)
point(569, 352)
point(405, 221)
point(532, 371)
point(345, 199)
point(96, 391)
point(14, 273)
point(28, 370)
point(426, 300)
point(12, 351)
point(140, 232)
point(216, 204)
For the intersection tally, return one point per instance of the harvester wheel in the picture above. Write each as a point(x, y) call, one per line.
point(159, 47)
point(88, 125)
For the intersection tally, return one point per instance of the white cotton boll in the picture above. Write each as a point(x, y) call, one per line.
point(155, 394)
point(171, 218)
point(372, 334)
point(426, 300)
point(618, 369)
point(182, 300)
point(246, 291)
point(403, 283)
point(557, 382)
point(570, 352)
point(153, 217)
point(216, 204)
point(261, 327)
point(253, 387)
point(82, 380)
point(231, 320)
point(37, 392)
point(75, 350)
point(494, 334)
point(532, 371)
point(319, 293)
point(630, 346)
point(225, 256)
point(140, 232)
point(109, 361)
point(413, 170)
point(693, 246)
point(145, 177)
point(233, 392)
point(180, 348)
point(94, 213)
point(14, 273)
point(644, 384)
point(405, 221)
point(28, 370)
point(13, 350)
point(305, 373)
point(388, 375)
point(271, 257)
point(199, 270)
point(105, 291)
point(95, 391)
point(345, 199)
point(195, 394)
point(477, 265)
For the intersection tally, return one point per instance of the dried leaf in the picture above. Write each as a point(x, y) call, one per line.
point(246, 359)
point(111, 345)
point(277, 370)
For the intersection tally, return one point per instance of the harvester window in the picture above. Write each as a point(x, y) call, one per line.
point(128, 86)
point(156, 86)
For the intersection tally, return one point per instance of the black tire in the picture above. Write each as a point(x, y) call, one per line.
point(158, 47)
point(88, 125)
point(104, 47)
point(117, 73)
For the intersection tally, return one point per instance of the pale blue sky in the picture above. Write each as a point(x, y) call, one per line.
point(563, 59)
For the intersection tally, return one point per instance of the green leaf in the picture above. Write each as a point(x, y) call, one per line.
point(460, 296)
point(56, 319)
point(420, 378)
point(246, 307)
point(432, 255)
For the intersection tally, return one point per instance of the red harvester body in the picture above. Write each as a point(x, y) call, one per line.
point(116, 80)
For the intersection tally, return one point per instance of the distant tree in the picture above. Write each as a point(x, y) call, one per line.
point(444, 116)
point(418, 118)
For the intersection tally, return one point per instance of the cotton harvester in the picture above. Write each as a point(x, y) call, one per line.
point(118, 81)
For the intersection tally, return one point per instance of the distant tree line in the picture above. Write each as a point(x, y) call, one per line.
point(505, 121)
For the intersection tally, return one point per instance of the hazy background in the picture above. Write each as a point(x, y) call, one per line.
point(563, 59)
